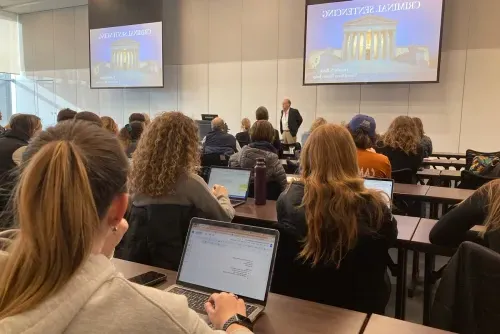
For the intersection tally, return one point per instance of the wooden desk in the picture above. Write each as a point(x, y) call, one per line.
point(448, 155)
point(413, 191)
point(283, 314)
point(249, 211)
point(384, 325)
point(448, 195)
point(451, 175)
point(446, 163)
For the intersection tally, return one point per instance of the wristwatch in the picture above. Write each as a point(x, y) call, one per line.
point(239, 320)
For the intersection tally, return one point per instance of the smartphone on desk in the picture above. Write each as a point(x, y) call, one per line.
point(151, 278)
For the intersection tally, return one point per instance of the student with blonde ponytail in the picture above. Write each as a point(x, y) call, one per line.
point(55, 275)
point(343, 230)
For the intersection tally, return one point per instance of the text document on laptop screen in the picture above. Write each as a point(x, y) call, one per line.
point(384, 186)
point(227, 259)
point(235, 180)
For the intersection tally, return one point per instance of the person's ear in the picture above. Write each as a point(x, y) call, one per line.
point(117, 209)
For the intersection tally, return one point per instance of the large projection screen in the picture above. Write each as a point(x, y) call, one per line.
point(127, 56)
point(373, 41)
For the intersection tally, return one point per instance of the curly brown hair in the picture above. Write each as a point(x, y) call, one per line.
point(168, 148)
point(402, 134)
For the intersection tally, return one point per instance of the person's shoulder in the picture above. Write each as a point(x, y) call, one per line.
point(160, 308)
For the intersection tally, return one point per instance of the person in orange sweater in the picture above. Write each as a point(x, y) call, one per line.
point(371, 164)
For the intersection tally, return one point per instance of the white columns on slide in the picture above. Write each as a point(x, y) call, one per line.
point(387, 45)
point(344, 47)
point(379, 46)
point(393, 45)
point(363, 47)
point(358, 56)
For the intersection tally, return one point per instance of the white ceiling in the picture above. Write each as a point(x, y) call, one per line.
point(29, 6)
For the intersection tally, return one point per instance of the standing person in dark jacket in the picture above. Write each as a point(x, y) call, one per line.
point(218, 141)
point(482, 208)
point(261, 114)
point(23, 127)
point(290, 122)
point(261, 135)
point(343, 230)
point(401, 144)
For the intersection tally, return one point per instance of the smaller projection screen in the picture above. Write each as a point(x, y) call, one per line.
point(127, 56)
point(373, 41)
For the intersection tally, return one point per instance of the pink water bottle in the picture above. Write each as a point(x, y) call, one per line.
point(260, 182)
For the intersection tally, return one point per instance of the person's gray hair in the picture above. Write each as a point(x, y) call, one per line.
point(218, 124)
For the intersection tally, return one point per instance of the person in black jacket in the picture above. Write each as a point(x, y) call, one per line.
point(261, 114)
point(23, 127)
point(243, 137)
point(290, 122)
point(482, 208)
point(218, 141)
point(129, 136)
point(401, 144)
point(336, 233)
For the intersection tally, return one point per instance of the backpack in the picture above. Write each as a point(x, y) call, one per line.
point(483, 165)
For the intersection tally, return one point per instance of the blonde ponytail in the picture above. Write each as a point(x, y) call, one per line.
point(56, 210)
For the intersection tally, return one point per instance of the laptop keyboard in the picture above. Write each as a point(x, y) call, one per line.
point(197, 300)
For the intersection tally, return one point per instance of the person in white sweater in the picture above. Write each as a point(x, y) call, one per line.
point(55, 272)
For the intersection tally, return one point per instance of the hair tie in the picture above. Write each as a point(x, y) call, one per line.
point(129, 128)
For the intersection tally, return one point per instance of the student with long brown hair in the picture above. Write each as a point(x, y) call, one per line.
point(425, 141)
point(56, 276)
point(343, 228)
point(401, 144)
point(482, 208)
point(109, 124)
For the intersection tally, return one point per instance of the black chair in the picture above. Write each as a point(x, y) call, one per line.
point(406, 176)
point(466, 300)
point(469, 180)
point(291, 167)
point(273, 190)
point(156, 235)
point(208, 160)
point(471, 154)
point(345, 287)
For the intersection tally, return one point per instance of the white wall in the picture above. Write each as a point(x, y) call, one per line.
point(231, 56)
point(9, 40)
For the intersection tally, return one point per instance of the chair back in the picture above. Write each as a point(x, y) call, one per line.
point(273, 190)
point(471, 154)
point(469, 180)
point(291, 167)
point(213, 159)
point(345, 287)
point(405, 176)
point(156, 235)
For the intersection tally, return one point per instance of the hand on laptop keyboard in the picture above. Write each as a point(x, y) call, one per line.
point(222, 306)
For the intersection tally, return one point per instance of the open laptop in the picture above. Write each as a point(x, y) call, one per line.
point(236, 180)
point(226, 257)
point(384, 185)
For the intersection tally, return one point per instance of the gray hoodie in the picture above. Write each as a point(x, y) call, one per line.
point(99, 300)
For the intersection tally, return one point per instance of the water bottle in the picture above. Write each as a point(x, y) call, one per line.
point(260, 182)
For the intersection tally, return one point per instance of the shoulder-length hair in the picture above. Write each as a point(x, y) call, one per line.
point(402, 134)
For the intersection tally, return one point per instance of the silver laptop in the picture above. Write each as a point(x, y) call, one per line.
point(236, 180)
point(226, 257)
point(386, 186)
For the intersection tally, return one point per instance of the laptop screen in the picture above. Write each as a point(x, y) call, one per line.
point(382, 185)
point(228, 259)
point(235, 180)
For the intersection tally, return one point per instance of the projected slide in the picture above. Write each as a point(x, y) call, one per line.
point(127, 56)
point(363, 41)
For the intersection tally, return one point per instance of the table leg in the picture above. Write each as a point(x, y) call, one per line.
point(414, 274)
point(434, 210)
point(400, 309)
point(428, 284)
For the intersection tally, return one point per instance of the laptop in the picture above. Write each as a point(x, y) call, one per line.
point(384, 185)
point(236, 180)
point(226, 257)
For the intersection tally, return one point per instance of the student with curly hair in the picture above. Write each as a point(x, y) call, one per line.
point(167, 192)
point(401, 144)
point(109, 124)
